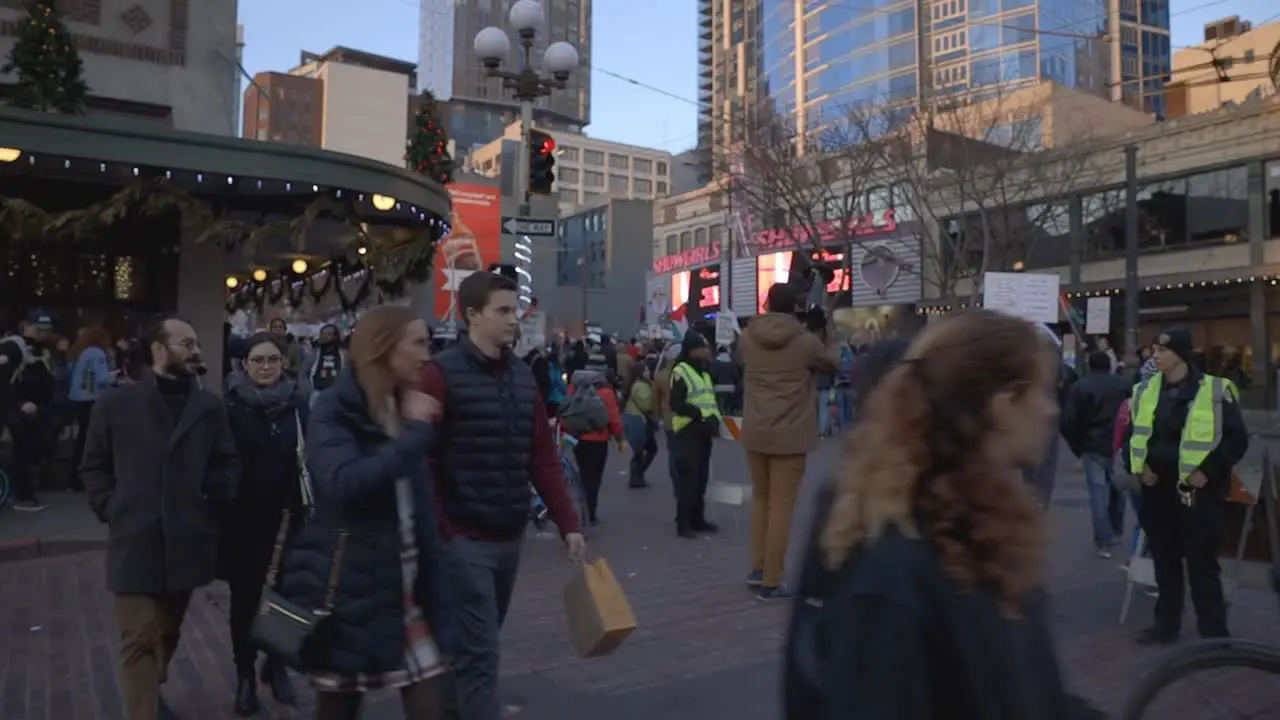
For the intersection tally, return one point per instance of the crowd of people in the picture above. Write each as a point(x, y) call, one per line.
point(380, 484)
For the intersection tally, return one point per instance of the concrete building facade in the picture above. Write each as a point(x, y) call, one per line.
point(172, 62)
point(1236, 63)
point(596, 258)
point(588, 171)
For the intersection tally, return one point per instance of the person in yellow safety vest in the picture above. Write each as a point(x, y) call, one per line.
point(1186, 435)
point(695, 422)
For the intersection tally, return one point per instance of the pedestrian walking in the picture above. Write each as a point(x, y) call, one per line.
point(593, 421)
point(662, 406)
point(695, 422)
point(370, 552)
point(1088, 424)
point(268, 411)
point(932, 549)
point(781, 362)
point(326, 360)
point(640, 421)
point(493, 443)
point(28, 395)
point(1185, 437)
point(158, 459)
point(91, 376)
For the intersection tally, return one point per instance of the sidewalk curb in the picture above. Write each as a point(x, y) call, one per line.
point(33, 548)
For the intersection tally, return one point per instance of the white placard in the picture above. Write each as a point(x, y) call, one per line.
point(1097, 316)
point(726, 328)
point(1030, 296)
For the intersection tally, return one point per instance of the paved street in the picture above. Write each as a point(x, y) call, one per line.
point(704, 648)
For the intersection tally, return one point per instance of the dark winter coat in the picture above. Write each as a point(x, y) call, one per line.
point(265, 427)
point(1089, 413)
point(156, 481)
point(354, 467)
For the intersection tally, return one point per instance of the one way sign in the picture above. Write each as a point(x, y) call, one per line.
point(534, 227)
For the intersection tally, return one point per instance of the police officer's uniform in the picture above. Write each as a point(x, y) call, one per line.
point(1179, 429)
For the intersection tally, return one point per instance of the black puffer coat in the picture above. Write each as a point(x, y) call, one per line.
point(354, 467)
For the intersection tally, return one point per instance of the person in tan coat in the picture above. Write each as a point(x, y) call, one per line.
point(779, 427)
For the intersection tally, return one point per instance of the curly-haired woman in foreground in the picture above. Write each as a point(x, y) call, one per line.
point(934, 608)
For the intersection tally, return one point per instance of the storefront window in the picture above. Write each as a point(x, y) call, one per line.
point(1272, 207)
point(1049, 226)
point(1102, 215)
point(1162, 215)
point(1218, 206)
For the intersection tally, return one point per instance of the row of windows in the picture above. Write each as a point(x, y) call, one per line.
point(696, 238)
point(596, 158)
point(944, 9)
point(617, 183)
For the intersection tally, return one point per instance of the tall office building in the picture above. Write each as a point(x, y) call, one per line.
point(480, 109)
point(810, 61)
point(1142, 59)
point(729, 39)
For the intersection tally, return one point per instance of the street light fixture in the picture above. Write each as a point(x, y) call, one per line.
point(526, 84)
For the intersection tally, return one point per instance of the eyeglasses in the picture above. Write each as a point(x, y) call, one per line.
point(269, 360)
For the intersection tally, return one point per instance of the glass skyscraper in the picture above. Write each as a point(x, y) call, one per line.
point(818, 59)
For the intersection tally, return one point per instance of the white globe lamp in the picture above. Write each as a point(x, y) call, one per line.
point(526, 17)
point(561, 58)
point(492, 46)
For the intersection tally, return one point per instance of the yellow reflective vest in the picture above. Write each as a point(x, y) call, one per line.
point(702, 394)
point(1200, 435)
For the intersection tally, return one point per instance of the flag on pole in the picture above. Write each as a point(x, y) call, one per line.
point(677, 322)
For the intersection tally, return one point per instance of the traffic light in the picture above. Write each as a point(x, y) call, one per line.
point(542, 162)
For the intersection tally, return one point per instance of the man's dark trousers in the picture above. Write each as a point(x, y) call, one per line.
point(692, 450)
point(28, 438)
point(1179, 534)
point(481, 576)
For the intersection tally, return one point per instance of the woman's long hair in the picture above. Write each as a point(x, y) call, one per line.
point(915, 458)
point(373, 340)
point(90, 336)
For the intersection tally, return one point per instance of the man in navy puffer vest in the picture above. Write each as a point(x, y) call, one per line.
point(493, 444)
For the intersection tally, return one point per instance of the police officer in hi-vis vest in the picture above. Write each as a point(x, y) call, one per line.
point(695, 421)
point(1185, 437)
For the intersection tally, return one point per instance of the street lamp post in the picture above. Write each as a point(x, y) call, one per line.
point(526, 84)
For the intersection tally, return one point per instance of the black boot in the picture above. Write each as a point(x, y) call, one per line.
point(247, 704)
point(275, 676)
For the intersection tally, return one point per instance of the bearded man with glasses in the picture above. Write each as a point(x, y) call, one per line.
point(159, 457)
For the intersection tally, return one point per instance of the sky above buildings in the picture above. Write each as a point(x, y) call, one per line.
point(653, 43)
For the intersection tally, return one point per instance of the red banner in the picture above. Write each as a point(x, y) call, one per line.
point(474, 244)
point(828, 232)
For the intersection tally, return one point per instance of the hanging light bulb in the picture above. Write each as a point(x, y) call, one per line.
point(259, 275)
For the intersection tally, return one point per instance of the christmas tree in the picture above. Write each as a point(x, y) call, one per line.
point(427, 152)
point(50, 73)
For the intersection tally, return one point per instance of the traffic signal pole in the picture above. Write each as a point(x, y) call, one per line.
point(521, 185)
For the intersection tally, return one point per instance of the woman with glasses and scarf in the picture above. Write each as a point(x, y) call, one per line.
point(267, 409)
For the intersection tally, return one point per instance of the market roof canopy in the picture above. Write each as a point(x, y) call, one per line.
point(116, 140)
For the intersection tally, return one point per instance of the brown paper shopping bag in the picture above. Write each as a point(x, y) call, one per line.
point(600, 617)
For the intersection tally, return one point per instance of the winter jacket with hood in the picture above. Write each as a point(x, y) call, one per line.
point(780, 359)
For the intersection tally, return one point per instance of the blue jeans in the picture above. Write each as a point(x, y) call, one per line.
point(1106, 502)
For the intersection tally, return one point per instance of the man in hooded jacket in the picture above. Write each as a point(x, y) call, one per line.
point(780, 360)
point(695, 422)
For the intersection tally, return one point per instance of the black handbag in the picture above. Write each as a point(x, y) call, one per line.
point(283, 629)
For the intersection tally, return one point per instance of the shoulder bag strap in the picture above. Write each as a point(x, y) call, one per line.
point(304, 475)
point(277, 551)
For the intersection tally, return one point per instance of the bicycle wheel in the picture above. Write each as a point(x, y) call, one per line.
point(1210, 680)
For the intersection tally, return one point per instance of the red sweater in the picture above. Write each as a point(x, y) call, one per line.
point(547, 474)
point(614, 428)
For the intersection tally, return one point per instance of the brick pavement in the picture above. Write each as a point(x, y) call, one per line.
point(703, 649)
